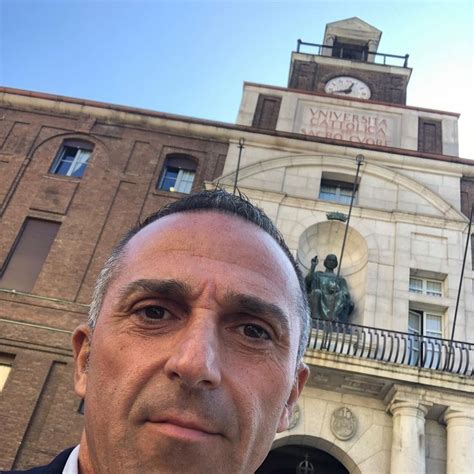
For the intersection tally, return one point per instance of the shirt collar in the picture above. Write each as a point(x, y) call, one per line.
point(72, 464)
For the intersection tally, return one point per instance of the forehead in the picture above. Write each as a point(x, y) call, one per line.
point(185, 245)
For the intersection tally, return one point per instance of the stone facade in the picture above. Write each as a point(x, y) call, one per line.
point(408, 225)
point(350, 119)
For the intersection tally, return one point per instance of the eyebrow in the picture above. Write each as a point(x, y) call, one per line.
point(183, 292)
point(172, 289)
point(256, 306)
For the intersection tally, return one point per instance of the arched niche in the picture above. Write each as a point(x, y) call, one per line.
point(326, 457)
point(326, 237)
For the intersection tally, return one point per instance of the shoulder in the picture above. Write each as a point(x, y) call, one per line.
point(56, 466)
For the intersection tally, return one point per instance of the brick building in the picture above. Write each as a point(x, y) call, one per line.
point(75, 174)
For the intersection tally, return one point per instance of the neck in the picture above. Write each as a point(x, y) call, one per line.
point(84, 463)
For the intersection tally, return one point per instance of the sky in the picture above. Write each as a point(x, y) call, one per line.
point(192, 58)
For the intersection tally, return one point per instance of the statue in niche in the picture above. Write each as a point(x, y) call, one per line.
point(328, 294)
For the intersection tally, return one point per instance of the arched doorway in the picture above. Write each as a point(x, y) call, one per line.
point(287, 458)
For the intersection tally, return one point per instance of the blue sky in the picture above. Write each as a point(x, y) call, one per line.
point(191, 58)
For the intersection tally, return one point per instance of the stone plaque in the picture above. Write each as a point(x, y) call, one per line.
point(343, 423)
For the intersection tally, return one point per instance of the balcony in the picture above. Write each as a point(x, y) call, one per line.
point(394, 347)
point(348, 52)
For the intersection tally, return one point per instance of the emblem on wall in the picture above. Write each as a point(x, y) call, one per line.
point(343, 423)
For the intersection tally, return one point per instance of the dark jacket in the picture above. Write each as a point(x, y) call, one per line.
point(55, 467)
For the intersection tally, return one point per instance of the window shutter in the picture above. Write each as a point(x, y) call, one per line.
point(29, 253)
point(429, 136)
point(266, 112)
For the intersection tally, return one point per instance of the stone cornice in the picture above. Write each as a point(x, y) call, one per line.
point(18, 99)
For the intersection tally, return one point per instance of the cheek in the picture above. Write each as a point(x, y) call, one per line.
point(263, 391)
point(114, 371)
point(260, 406)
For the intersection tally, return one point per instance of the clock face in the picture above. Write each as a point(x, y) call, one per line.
point(347, 86)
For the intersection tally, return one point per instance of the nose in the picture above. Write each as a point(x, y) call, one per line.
point(195, 360)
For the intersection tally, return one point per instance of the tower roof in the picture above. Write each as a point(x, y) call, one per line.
point(352, 30)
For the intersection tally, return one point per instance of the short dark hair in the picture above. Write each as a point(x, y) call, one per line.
point(217, 200)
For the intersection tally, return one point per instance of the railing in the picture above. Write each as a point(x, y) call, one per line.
point(392, 346)
point(322, 48)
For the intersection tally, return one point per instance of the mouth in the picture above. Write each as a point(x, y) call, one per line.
point(182, 429)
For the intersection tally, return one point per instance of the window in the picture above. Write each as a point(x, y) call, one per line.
point(4, 372)
point(72, 159)
point(426, 287)
point(6, 361)
point(337, 191)
point(178, 173)
point(425, 351)
point(29, 252)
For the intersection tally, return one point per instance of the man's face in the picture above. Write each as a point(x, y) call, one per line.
point(192, 364)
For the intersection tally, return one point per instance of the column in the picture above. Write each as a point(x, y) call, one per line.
point(460, 434)
point(408, 440)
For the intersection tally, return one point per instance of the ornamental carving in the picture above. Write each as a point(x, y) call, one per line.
point(343, 423)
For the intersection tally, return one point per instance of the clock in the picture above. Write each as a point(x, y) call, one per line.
point(347, 86)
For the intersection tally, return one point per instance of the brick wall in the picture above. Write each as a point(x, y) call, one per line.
point(385, 87)
point(38, 407)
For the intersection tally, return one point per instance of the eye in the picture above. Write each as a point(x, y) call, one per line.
point(255, 331)
point(153, 313)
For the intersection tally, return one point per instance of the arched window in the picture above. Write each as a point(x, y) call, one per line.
point(72, 158)
point(178, 173)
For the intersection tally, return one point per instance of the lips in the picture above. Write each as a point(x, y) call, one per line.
point(185, 429)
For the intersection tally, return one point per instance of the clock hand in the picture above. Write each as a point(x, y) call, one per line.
point(348, 90)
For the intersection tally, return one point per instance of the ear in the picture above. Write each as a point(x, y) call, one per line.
point(301, 377)
point(81, 349)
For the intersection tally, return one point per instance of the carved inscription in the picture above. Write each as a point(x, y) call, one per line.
point(351, 126)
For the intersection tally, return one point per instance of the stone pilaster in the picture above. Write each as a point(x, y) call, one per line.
point(408, 440)
point(460, 434)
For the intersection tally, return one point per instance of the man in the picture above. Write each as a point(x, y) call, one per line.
point(192, 357)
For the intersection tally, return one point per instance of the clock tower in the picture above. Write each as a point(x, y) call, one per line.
point(344, 89)
point(348, 64)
